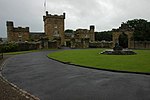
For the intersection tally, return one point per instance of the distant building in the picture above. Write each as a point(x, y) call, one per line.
point(53, 35)
point(53, 31)
point(17, 34)
point(82, 37)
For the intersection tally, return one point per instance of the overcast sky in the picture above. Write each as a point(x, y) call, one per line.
point(104, 14)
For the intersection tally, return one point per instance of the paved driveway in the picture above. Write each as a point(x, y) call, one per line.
point(51, 80)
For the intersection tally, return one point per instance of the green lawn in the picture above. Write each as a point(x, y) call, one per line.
point(91, 57)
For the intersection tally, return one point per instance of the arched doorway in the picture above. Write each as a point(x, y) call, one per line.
point(123, 40)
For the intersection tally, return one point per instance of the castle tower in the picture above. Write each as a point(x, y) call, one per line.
point(17, 34)
point(92, 33)
point(10, 27)
point(54, 26)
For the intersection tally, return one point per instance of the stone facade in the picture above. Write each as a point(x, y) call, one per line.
point(83, 37)
point(54, 26)
point(36, 36)
point(142, 44)
point(17, 34)
point(53, 32)
point(53, 35)
point(101, 44)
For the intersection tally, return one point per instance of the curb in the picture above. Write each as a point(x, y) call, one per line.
point(68, 63)
point(20, 91)
point(14, 87)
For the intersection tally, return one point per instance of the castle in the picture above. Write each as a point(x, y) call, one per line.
point(53, 35)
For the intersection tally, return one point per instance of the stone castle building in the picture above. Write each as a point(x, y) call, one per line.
point(83, 37)
point(53, 31)
point(54, 27)
point(16, 34)
point(53, 35)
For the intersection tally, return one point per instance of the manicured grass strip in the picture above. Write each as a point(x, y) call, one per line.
point(91, 57)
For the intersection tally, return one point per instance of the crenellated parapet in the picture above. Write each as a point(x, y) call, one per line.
point(21, 29)
point(53, 16)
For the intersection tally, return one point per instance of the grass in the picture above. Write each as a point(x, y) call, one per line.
point(91, 57)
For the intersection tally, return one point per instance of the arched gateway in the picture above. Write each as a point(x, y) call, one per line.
point(126, 30)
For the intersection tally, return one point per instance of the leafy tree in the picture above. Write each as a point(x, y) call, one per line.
point(69, 31)
point(141, 29)
point(10, 47)
point(106, 35)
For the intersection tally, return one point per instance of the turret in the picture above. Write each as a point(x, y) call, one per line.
point(92, 28)
point(92, 33)
point(9, 25)
point(64, 14)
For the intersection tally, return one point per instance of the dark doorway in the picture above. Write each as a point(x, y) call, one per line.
point(123, 40)
point(68, 44)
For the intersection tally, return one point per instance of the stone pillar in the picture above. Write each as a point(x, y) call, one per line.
point(92, 33)
point(10, 27)
point(130, 40)
point(115, 38)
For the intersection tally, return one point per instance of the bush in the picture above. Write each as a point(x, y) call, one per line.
point(9, 47)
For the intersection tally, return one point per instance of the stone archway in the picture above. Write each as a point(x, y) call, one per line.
point(117, 33)
point(123, 30)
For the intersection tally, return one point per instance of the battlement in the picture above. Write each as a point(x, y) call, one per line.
point(53, 16)
point(92, 27)
point(21, 29)
point(10, 23)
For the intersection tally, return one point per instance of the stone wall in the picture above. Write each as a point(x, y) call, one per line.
point(142, 44)
point(28, 46)
point(80, 43)
point(101, 44)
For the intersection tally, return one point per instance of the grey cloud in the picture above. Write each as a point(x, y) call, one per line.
point(104, 14)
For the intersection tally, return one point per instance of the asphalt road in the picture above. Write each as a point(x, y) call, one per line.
point(51, 80)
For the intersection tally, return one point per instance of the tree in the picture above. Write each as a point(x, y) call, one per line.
point(106, 35)
point(69, 31)
point(141, 29)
